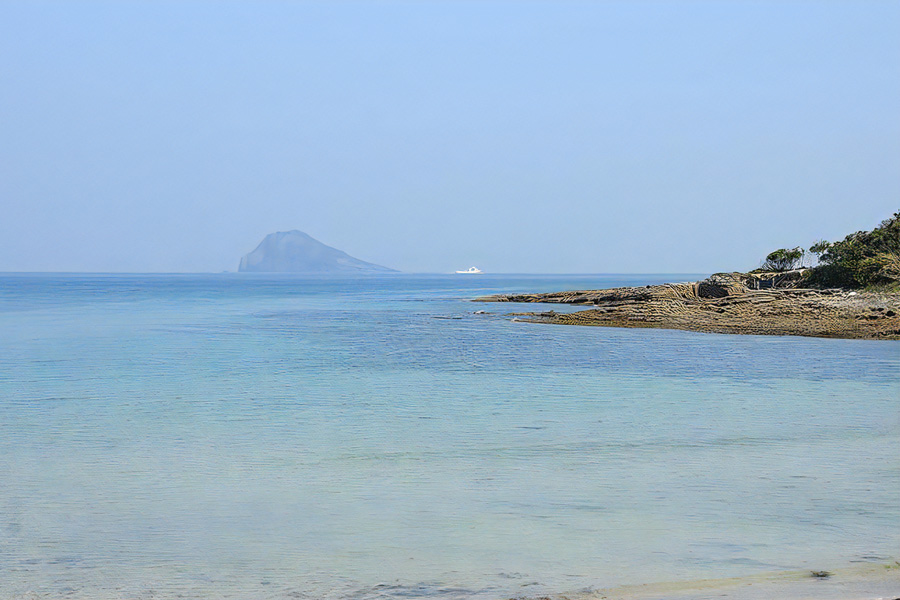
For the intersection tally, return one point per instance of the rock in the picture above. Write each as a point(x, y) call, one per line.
point(720, 285)
point(723, 304)
point(296, 252)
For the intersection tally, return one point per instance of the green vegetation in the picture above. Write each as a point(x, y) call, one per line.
point(783, 259)
point(863, 259)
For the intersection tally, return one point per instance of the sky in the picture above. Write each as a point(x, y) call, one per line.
point(518, 136)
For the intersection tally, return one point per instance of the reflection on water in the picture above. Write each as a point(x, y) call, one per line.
point(252, 437)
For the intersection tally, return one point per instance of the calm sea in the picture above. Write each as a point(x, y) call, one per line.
point(235, 436)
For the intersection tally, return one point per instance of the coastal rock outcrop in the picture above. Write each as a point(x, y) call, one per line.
point(297, 252)
point(720, 285)
point(727, 303)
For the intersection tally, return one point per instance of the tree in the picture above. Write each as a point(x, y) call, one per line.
point(861, 259)
point(783, 259)
point(819, 248)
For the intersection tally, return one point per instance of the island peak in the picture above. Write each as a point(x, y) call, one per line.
point(295, 251)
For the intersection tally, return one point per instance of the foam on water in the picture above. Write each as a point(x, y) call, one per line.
point(275, 437)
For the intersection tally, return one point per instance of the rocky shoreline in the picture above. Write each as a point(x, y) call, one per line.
point(736, 303)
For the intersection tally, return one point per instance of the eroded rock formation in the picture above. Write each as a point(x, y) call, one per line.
point(728, 303)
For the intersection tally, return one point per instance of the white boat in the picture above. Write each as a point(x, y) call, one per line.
point(471, 271)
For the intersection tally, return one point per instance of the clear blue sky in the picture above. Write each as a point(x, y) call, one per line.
point(430, 136)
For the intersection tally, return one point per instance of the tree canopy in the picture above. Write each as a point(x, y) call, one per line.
point(864, 258)
point(783, 259)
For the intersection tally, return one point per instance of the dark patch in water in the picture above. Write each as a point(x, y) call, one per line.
point(65, 560)
point(418, 590)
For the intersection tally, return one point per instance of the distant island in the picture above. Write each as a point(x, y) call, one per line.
point(853, 292)
point(297, 252)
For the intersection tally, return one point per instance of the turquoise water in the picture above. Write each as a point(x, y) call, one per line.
point(231, 436)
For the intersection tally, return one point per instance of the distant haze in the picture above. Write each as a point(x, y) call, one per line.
point(630, 136)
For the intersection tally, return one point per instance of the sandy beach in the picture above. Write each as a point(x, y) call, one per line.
point(724, 303)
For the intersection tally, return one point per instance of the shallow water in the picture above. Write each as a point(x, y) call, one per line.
point(236, 436)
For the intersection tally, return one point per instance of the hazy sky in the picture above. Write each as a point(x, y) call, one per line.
point(430, 136)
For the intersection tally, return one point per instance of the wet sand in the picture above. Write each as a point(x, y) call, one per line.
point(724, 304)
point(864, 582)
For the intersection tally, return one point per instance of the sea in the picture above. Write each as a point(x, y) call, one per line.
point(240, 436)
